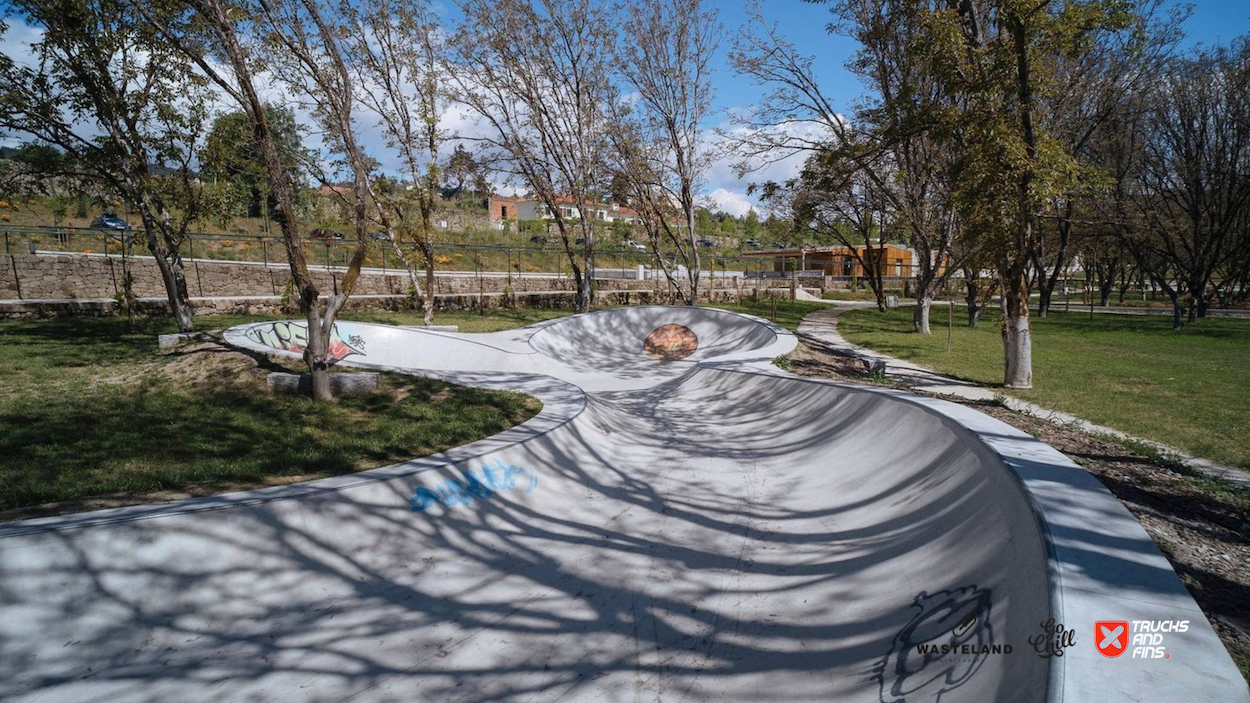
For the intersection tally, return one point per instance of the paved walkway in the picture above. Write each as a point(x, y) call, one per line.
point(823, 326)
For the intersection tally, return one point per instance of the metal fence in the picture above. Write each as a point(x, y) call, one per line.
point(611, 261)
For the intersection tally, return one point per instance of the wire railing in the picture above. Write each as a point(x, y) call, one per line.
point(611, 260)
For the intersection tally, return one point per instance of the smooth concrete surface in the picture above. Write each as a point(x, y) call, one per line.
point(710, 529)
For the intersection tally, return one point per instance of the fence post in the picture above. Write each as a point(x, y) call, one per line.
point(950, 322)
point(191, 250)
point(334, 280)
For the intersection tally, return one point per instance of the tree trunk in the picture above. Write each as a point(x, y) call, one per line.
point(317, 354)
point(1046, 284)
point(920, 314)
point(172, 276)
point(427, 303)
point(974, 304)
point(581, 302)
point(412, 271)
point(256, 202)
point(588, 275)
point(1043, 297)
point(1017, 336)
point(694, 251)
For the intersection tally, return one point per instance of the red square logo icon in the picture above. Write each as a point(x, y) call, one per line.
point(1111, 637)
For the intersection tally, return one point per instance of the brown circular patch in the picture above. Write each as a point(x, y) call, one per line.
point(670, 343)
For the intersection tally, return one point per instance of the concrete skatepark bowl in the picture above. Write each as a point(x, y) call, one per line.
point(710, 528)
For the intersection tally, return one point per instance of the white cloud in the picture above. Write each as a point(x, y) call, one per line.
point(734, 203)
point(728, 188)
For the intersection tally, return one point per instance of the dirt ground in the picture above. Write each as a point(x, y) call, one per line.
point(1202, 525)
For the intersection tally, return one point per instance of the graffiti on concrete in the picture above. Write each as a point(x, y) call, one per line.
point(476, 485)
point(670, 342)
point(293, 337)
point(944, 644)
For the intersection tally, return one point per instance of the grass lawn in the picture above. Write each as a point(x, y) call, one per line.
point(856, 295)
point(789, 313)
point(92, 413)
point(1186, 389)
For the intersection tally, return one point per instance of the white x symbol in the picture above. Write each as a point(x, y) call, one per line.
point(1109, 637)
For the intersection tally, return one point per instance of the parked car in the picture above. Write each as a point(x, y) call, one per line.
point(380, 236)
point(753, 243)
point(779, 245)
point(325, 234)
point(110, 221)
point(706, 243)
point(631, 244)
point(538, 239)
point(579, 241)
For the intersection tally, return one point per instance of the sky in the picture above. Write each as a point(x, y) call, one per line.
point(806, 26)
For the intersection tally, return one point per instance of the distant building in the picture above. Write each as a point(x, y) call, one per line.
point(503, 208)
point(838, 260)
point(327, 191)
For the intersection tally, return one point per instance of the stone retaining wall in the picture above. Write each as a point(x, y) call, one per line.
point(84, 276)
point(271, 305)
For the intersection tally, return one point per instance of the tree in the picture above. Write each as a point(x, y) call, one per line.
point(637, 179)
point(839, 206)
point(1098, 84)
point(307, 51)
point(1193, 185)
point(751, 225)
point(231, 154)
point(885, 157)
point(396, 49)
point(294, 40)
point(996, 61)
point(462, 173)
point(539, 82)
point(105, 88)
point(894, 142)
point(664, 51)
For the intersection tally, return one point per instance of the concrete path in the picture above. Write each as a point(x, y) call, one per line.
point(823, 326)
point(703, 528)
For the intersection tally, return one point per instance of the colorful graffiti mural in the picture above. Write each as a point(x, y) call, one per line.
point(293, 337)
point(475, 486)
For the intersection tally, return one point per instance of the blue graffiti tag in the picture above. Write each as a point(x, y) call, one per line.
point(476, 485)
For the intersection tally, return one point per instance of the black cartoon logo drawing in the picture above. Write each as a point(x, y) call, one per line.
point(940, 649)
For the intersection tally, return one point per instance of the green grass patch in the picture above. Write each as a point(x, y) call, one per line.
point(851, 295)
point(1133, 373)
point(89, 408)
point(786, 313)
